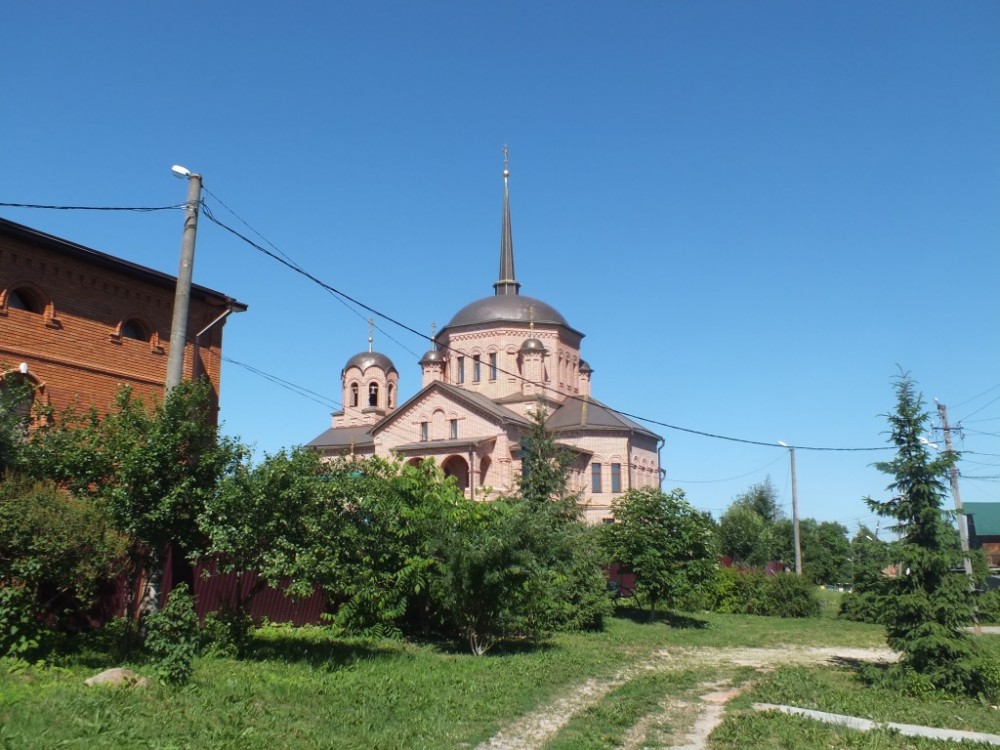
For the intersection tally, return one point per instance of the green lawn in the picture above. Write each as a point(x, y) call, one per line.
point(304, 689)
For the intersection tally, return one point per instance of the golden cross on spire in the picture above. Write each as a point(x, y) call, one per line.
point(506, 161)
point(371, 328)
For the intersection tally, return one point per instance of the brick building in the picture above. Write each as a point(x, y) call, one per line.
point(76, 323)
point(495, 362)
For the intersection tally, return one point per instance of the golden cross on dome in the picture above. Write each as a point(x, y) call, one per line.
point(531, 318)
point(371, 328)
point(506, 160)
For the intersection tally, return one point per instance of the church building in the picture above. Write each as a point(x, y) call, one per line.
point(497, 361)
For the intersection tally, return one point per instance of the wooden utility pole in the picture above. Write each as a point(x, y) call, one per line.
point(963, 526)
point(795, 510)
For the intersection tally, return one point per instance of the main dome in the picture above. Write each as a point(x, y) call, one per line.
point(507, 308)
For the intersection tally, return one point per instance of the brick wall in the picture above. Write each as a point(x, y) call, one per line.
point(77, 341)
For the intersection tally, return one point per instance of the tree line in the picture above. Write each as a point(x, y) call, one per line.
point(398, 550)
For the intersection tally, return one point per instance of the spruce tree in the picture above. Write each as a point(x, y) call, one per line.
point(928, 603)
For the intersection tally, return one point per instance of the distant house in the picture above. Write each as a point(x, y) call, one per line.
point(984, 529)
point(76, 324)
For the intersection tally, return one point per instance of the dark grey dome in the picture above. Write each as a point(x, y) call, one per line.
point(585, 367)
point(364, 360)
point(507, 308)
point(532, 345)
point(432, 356)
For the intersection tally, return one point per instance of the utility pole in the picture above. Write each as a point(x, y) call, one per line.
point(963, 526)
point(182, 296)
point(795, 511)
point(795, 517)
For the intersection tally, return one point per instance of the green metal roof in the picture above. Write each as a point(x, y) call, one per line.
point(985, 517)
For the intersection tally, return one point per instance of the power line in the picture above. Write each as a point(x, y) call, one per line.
point(141, 209)
point(979, 395)
point(285, 261)
point(319, 398)
point(294, 264)
point(727, 479)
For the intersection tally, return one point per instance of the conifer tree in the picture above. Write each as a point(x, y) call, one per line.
point(927, 603)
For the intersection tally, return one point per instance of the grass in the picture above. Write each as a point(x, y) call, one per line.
point(302, 688)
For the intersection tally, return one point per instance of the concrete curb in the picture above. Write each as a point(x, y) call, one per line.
point(865, 725)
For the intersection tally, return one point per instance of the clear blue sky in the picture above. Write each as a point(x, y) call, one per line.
point(757, 212)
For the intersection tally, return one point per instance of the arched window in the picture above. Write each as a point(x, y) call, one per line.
point(135, 329)
point(25, 299)
point(373, 394)
point(388, 396)
point(354, 394)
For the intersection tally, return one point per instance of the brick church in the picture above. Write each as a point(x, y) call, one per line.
point(498, 360)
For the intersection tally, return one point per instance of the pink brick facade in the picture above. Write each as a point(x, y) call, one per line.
point(82, 323)
point(498, 360)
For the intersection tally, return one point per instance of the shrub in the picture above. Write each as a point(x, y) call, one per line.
point(790, 596)
point(863, 606)
point(172, 637)
point(55, 552)
point(988, 607)
point(737, 592)
point(19, 628)
point(752, 593)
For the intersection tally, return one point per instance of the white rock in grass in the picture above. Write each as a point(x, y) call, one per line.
point(117, 677)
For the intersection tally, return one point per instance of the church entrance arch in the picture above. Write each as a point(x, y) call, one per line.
point(456, 466)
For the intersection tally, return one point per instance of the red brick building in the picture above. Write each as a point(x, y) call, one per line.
point(77, 323)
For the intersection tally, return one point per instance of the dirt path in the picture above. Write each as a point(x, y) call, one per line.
point(532, 731)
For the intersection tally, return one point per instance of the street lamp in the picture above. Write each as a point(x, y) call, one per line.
point(182, 296)
point(795, 510)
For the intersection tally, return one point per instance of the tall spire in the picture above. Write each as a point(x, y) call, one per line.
point(506, 284)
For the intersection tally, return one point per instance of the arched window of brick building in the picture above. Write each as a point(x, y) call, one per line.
point(373, 394)
point(388, 396)
point(25, 299)
point(354, 394)
point(133, 328)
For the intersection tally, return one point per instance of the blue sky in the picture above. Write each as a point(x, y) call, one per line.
point(756, 212)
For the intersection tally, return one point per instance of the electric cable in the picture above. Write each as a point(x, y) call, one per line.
point(141, 209)
point(283, 260)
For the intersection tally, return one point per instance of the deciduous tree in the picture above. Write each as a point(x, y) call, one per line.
point(665, 541)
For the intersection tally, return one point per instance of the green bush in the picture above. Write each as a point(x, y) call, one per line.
point(226, 633)
point(172, 637)
point(19, 628)
point(751, 593)
point(56, 550)
point(988, 607)
point(790, 596)
point(984, 679)
point(863, 606)
point(737, 593)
